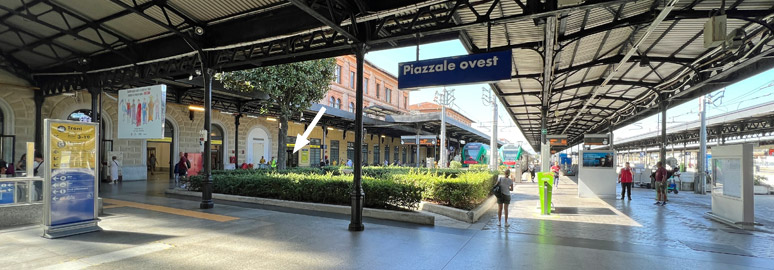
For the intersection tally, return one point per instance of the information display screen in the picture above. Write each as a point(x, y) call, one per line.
point(598, 159)
point(727, 177)
point(72, 157)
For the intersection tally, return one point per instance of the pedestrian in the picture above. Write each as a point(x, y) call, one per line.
point(21, 166)
point(152, 163)
point(661, 183)
point(625, 178)
point(506, 184)
point(182, 167)
point(532, 172)
point(114, 170)
point(349, 163)
point(263, 161)
point(273, 163)
point(556, 170)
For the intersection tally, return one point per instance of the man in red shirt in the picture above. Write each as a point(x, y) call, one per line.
point(661, 183)
point(556, 169)
point(625, 178)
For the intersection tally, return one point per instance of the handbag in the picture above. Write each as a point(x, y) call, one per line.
point(496, 190)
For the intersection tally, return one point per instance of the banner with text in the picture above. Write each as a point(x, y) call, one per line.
point(474, 68)
point(141, 112)
point(72, 157)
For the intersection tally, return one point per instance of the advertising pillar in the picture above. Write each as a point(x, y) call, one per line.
point(70, 188)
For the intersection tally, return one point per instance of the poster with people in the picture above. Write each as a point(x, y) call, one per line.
point(141, 112)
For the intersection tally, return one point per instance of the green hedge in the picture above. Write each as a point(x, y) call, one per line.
point(464, 191)
point(318, 188)
point(385, 187)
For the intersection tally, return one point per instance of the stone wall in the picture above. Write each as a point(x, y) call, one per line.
point(18, 107)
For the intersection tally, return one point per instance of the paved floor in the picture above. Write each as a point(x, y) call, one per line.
point(143, 229)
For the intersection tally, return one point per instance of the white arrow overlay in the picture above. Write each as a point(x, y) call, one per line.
point(301, 140)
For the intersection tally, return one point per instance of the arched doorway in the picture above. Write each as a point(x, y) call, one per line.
point(106, 144)
point(258, 146)
point(7, 141)
point(217, 150)
point(163, 150)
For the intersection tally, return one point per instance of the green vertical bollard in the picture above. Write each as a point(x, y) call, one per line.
point(545, 188)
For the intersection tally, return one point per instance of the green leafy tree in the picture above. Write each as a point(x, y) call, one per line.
point(291, 88)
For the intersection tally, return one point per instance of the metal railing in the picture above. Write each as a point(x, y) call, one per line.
point(21, 191)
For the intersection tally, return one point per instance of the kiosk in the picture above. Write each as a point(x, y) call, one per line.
point(732, 185)
point(596, 175)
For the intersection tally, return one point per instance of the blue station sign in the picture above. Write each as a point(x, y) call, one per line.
point(474, 68)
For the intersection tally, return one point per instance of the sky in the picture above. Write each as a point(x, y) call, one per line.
point(468, 98)
point(753, 91)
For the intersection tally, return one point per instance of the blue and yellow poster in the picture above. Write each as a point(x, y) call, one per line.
point(72, 157)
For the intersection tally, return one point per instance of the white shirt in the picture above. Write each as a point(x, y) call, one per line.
point(114, 170)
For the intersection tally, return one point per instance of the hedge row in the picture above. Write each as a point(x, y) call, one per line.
point(318, 188)
point(464, 191)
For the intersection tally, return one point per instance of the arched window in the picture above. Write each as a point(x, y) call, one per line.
point(80, 114)
point(338, 103)
point(332, 102)
point(2, 122)
point(351, 107)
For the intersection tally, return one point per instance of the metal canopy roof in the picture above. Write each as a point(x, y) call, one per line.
point(753, 122)
point(62, 46)
point(590, 40)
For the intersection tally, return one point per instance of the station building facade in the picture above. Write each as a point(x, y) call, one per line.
point(258, 135)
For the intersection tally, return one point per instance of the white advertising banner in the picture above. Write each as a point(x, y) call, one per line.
point(141, 112)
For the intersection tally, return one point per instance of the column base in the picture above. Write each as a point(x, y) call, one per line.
point(356, 227)
point(206, 205)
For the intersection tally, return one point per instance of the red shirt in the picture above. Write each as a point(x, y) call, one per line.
point(626, 175)
point(661, 174)
point(555, 168)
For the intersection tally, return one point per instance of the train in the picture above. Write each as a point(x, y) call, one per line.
point(510, 155)
point(475, 153)
point(478, 153)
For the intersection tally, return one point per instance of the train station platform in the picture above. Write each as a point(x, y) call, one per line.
point(145, 229)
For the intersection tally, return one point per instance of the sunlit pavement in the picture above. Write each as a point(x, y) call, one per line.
point(141, 232)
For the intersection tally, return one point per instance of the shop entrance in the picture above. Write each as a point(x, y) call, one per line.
point(292, 160)
point(216, 150)
point(162, 150)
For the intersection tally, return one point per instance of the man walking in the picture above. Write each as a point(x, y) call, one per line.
point(625, 178)
point(661, 178)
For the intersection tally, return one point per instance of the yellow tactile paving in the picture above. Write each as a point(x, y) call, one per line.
point(170, 210)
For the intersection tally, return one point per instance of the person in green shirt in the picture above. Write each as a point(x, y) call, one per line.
point(273, 163)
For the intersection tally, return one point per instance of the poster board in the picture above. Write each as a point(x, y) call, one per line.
point(727, 177)
point(597, 177)
point(142, 112)
point(70, 188)
point(732, 185)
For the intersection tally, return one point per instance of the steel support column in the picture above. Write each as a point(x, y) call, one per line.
point(701, 156)
point(663, 108)
point(419, 127)
point(236, 138)
point(356, 223)
point(207, 181)
point(96, 114)
point(322, 146)
point(545, 149)
point(39, 98)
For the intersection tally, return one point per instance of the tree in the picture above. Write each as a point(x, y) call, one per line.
point(291, 87)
